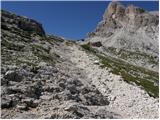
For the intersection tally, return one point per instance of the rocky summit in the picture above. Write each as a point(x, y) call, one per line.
point(130, 33)
point(112, 74)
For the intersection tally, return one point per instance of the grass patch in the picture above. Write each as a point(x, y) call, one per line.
point(19, 62)
point(125, 54)
point(12, 46)
point(69, 43)
point(23, 34)
point(43, 54)
point(39, 48)
point(88, 48)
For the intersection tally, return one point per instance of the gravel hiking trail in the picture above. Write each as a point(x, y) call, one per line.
point(127, 100)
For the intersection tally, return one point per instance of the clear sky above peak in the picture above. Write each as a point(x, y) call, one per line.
point(69, 19)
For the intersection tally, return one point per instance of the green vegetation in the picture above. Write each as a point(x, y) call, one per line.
point(69, 43)
point(88, 48)
point(43, 54)
point(11, 45)
point(23, 34)
point(124, 54)
point(130, 73)
point(19, 62)
point(4, 27)
point(39, 48)
point(46, 58)
point(141, 10)
point(53, 40)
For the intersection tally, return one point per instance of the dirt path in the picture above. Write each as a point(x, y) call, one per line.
point(128, 100)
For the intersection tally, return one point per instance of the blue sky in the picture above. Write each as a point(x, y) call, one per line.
point(70, 19)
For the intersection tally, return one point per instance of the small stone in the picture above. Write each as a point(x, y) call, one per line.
point(112, 98)
point(28, 101)
point(46, 97)
point(24, 66)
point(96, 62)
point(22, 107)
point(62, 85)
point(35, 103)
point(41, 64)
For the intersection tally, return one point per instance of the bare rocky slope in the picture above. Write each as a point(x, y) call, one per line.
point(130, 34)
point(45, 76)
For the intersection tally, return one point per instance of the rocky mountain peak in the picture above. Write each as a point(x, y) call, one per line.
point(117, 10)
point(131, 9)
point(129, 28)
point(114, 9)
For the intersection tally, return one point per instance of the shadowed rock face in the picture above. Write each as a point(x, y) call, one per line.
point(11, 20)
point(97, 44)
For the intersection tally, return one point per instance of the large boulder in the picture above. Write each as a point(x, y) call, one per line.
point(13, 76)
point(96, 44)
point(6, 103)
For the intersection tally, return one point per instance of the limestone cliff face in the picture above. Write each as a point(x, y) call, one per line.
point(131, 28)
point(114, 9)
point(118, 12)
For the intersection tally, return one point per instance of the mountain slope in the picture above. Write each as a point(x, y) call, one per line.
point(45, 76)
point(37, 82)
